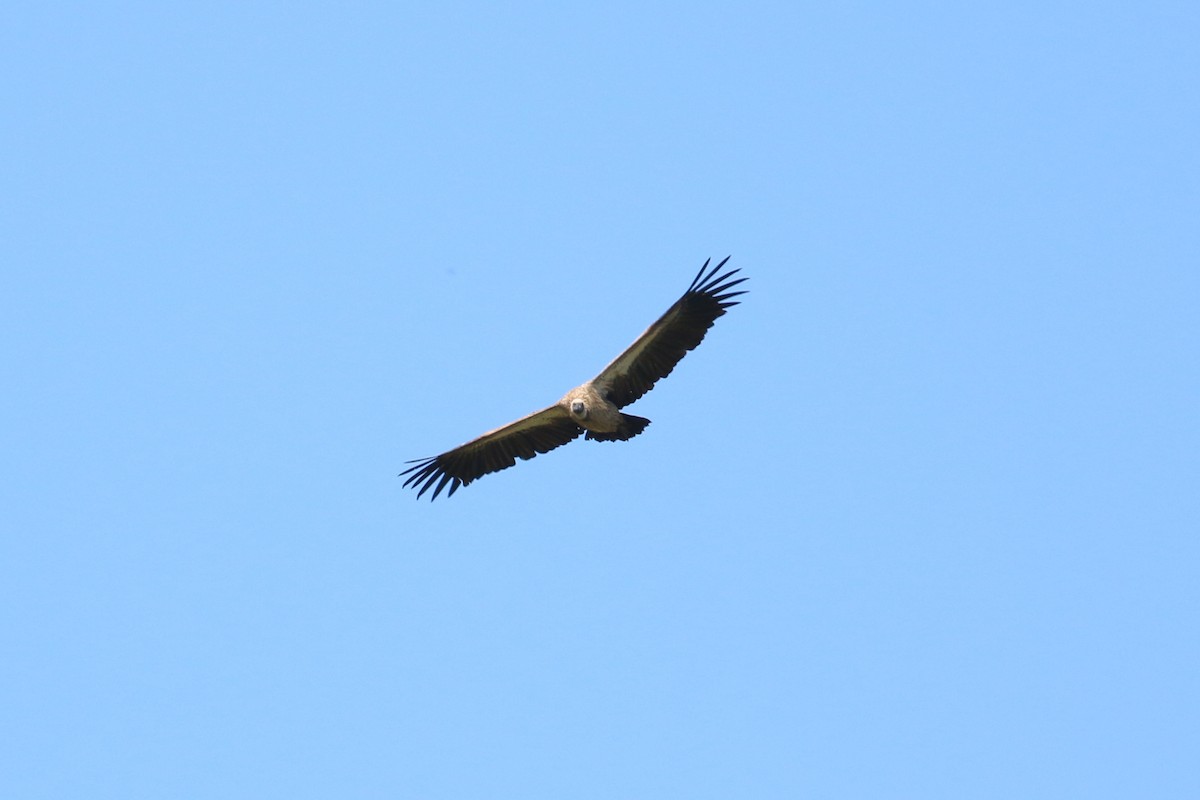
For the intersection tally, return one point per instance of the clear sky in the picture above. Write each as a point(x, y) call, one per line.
point(920, 518)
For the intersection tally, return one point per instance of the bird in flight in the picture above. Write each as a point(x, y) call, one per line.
point(593, 409)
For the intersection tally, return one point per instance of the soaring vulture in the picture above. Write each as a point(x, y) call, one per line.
point(592, 409)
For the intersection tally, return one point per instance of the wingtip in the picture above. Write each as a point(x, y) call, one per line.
point(697, 280)
point(716, 282)
point(698, 284)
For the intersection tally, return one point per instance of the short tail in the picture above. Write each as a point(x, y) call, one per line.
point(630, 427)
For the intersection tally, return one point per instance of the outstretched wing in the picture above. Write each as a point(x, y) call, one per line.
point(540, 432)
point(667, 341)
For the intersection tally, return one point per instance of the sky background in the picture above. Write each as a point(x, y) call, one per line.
point(918, 519)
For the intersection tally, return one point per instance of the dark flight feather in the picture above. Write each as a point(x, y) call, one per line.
point(539, 432)
point(664, 344)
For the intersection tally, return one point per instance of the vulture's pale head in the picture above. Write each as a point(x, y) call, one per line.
point(579, 409)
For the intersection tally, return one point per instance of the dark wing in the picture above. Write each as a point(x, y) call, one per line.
point(540, 432)
point(667, 341)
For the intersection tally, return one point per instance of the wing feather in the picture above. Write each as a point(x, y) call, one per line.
point(539, 432)
point(656, 352)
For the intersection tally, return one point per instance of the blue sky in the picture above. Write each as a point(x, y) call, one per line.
point(918, 519)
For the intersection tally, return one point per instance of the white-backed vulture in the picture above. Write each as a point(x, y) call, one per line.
point(593, 408)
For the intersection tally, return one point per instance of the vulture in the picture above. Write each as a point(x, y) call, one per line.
point(593, 409)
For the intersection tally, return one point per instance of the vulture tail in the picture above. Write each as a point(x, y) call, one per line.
point(631, 426)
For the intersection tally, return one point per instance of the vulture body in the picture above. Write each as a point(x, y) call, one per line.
point(593, 409)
